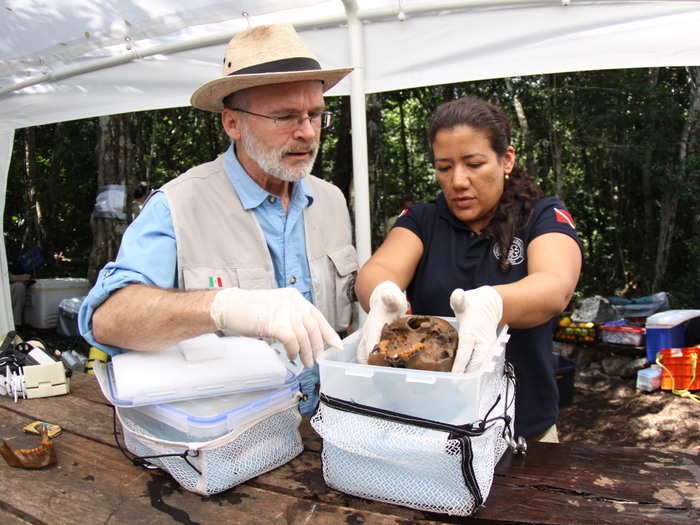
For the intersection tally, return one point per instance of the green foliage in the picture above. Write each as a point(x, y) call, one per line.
point(618, 135)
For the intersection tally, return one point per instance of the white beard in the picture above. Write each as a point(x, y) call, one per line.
point(270, 160)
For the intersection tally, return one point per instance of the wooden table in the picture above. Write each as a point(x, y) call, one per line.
point(94, 483)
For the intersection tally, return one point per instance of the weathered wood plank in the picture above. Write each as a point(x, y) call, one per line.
point(93, 483)
point(9, 518)
point(622, 485)
point(643, 476)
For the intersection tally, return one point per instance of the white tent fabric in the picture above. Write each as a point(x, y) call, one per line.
point(6, 138)
point(81, 58)
point(492, 39)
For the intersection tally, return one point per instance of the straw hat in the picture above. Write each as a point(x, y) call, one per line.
point(270, 54)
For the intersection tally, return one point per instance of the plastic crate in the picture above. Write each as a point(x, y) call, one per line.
point(622, 335)
point(205, 419)
point(577, 332)
point(649, 379)
point(681, 368)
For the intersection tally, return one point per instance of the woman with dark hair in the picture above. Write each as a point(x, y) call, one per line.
point(491, 251)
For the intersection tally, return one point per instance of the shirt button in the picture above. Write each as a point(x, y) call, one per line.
point(292, 280)
point(271, 199)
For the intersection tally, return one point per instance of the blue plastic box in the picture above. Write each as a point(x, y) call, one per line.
point(667, 330)
point(658, 338)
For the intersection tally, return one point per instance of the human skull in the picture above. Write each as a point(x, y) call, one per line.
point(421, 342)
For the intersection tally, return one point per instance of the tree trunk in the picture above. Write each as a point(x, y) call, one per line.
point(555, 141)
point(342, 171)
point(525, 156)
point(407, 184)
point(647, 197)
point(113, 145)
point(674, 181)
point(35, 220)
point(374, 133)
point(50, 194)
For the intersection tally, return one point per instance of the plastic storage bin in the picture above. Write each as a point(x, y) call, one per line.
point(375, 448)
point(649, 379)
point(622, 335)
point(265, 438)
point(204, 366)
point(680, 368)
point(564, 371)
point(439, 396)
point(209, 418)
point(666, 330)
point(44, 296)
point(67, 322)
point(207, 443)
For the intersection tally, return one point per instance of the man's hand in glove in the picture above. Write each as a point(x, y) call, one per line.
point(386, 304)
point(478, 313)
point(280, 313)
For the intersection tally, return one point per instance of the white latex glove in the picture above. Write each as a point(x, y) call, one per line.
point(478, 313)
point(386, 304)
point(280, 313)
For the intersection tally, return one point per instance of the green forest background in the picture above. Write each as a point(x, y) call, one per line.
point(619, 147)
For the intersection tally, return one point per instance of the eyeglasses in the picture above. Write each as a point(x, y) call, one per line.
point(317, 119)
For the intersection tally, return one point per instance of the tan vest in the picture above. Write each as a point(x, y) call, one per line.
point(219, 242)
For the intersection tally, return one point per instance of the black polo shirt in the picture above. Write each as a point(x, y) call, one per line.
point(456, 257)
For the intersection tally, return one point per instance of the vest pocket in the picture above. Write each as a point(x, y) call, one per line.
point(201, 278)
point(341, 288)
point(255, 278)
point(345, 260)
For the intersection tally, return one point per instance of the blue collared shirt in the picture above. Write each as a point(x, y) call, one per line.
point(148, 252)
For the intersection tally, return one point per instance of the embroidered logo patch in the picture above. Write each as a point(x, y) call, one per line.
point(516, 253)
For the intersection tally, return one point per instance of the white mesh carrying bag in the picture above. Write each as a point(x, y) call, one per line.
point(415, 462)
point(214, 466)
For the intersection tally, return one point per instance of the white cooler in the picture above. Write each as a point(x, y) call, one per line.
point(44, 296)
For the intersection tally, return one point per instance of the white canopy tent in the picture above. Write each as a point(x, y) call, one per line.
point(70, 59)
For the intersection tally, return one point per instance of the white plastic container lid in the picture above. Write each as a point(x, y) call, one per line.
point(61, 283)
point(670, 318)
point(204, 366)
point(440, 396)
point(212, 417)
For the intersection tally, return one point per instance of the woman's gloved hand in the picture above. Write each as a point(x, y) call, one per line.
point(386, 304)
point(280, 313)
point(478, 313)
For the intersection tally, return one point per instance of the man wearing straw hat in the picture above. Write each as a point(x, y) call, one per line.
point(250, 243)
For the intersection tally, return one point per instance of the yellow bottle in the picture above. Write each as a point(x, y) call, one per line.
point(95, 354)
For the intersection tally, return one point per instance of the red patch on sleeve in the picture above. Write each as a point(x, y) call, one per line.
point(564, 216)
point(404, 212)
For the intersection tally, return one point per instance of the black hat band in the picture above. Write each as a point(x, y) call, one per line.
point(284, 65)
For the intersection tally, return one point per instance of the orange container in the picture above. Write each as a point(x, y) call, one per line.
point(683, 364)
